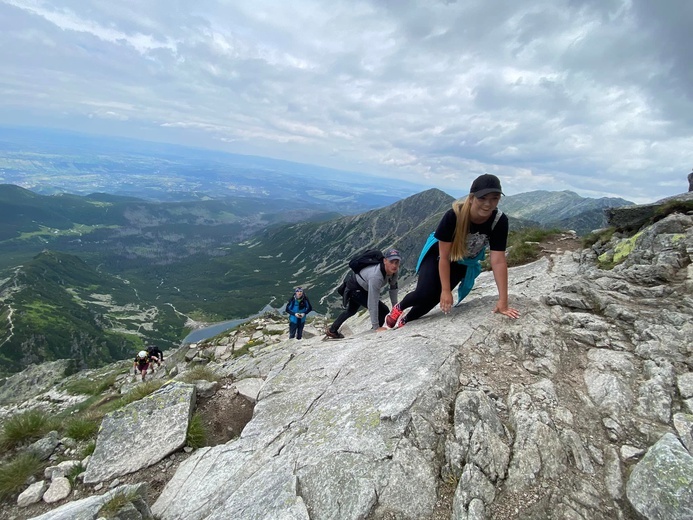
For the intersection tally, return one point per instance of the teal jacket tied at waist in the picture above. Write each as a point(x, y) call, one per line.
point(473, 268)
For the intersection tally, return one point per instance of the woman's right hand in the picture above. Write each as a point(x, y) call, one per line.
point(445, 301)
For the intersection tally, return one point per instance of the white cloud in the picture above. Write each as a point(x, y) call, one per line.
point(592, 96)
point(67, 20)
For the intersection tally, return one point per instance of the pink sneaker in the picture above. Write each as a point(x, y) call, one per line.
point(394, 315)
point(401, 322)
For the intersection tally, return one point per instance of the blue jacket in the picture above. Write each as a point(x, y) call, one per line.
point(302, 306)
point(473, 268)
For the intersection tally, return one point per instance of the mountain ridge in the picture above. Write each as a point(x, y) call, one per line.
point(213, 260)
point(57, 307)
point(578, 409)
point(562, 209)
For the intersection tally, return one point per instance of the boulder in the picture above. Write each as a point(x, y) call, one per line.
point(44, 448)
point(59, 489)
point(250, 387)
point(355, 422)
point(661, 484)
point(88, 508)
point(32, 494)
point(35, 380)
point(142, 433)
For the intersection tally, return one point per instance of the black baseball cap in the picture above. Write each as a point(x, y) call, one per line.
point(485, 184)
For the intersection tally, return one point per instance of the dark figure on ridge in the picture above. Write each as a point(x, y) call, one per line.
point(155, 356)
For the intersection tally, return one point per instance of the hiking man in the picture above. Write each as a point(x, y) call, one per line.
point(363, 289)
point(690, 181)
point(297, 308)
point(155, 356)
point(141, 363)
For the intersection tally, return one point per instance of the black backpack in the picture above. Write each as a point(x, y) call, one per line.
point(366, 258)
point(344, 289)
point(363, 259)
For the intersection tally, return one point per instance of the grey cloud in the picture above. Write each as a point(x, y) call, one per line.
point(562, 92)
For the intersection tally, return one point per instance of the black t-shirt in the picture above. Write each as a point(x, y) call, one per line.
point(480, 235)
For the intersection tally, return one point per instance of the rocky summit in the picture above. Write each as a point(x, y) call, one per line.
point(581, 409)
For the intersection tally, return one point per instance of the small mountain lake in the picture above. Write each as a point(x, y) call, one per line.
point(210, 331)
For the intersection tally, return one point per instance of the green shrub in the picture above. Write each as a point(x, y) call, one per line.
point(82, 428)
point(197, 432)
point(25, 427)
point(14, 474)
point(197, 373)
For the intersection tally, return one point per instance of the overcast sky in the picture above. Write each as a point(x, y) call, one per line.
point(593, 96)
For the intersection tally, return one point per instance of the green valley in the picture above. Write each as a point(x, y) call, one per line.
point(96, 277)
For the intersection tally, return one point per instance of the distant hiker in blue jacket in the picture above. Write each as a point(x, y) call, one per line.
point(453, 254)
point(297, 309)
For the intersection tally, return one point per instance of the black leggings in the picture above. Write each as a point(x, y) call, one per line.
point(296, 329)
point(428, 288)
point(358, 298)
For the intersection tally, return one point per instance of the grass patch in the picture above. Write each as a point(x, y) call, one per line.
point(197, 373)
point(116, 503)
point(143, 390)
point(522, 253)
point(245, 349)
point(82, 428)
point(522, 248)
point(602, 237)
point(74, 473)
point(112, 403)
point(14, 474)
point(535, 234)
point(88, 386)
point(674, 206)
point(88, 449)
point(197, 432)
point(25, 427)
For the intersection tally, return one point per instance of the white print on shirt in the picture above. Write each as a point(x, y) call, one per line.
point(475, 243)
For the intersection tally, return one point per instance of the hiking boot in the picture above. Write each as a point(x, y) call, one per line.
point(333, 335)
point(394, 315)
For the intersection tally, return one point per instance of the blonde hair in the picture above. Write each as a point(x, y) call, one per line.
point(462, 209)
